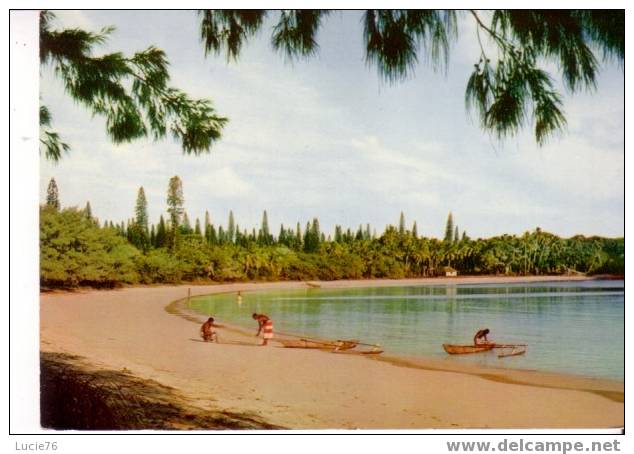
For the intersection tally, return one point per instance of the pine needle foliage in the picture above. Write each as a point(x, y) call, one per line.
point(228, 29)
point(294, 34)
point(508, 91)
point(132, 92)
point(394, 39)
point(50, 140)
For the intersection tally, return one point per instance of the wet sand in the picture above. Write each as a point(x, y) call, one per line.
point(143, 332)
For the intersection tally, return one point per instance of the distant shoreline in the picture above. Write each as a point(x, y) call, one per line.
point(373, 282)
point(130, 330)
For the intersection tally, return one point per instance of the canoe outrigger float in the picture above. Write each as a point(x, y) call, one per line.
point(321, 345)
point(511, 350)
point(508, 349)
point(338, 346)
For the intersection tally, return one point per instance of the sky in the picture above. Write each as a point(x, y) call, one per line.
point(328, 138)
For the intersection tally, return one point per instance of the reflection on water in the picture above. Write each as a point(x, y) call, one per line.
point(575, 327)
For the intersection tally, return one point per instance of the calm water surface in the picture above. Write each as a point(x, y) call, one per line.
point(573, 327)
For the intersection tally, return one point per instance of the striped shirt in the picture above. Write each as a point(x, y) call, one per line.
point(267, 329)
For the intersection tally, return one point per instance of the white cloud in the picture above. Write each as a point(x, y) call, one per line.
point(224, 183)
point(419, 160)
point(324, 138)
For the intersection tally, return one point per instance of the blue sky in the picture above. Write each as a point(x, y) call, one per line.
point(326, 137)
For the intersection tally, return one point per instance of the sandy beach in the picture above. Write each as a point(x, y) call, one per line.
point(143, 332)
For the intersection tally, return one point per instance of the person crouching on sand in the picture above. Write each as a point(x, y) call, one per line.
point(265, 326)
point(481, 337)
point(206, 331)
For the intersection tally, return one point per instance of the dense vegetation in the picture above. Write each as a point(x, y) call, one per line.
point(75, 250)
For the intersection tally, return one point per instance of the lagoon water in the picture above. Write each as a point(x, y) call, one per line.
point(571, 327)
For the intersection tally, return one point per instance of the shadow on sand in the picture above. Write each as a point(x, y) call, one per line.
point(226, 342)
point(76, 396)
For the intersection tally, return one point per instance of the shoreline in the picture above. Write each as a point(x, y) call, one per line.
point(372, 282)
point(531, 377)
point(132, 329)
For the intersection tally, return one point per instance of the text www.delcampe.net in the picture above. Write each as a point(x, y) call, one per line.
point(522, 445)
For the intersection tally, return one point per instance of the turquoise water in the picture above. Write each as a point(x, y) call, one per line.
point(573, 327)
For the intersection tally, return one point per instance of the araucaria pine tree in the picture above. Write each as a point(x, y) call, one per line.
point(152, 235)
point(237, 238)
point(207, 230)
point(312, 236)
point(221, 235)
point(307, 239)
point(264, 236)
point(212, 237)
point(415, 230)
point(231, 228)
point(140, 210)
point(175, 202)
point(401, 224)
point(88, 211)
point(456, 236)
point(281, 238)
point(449, 229)
point(52, 194)
point(186, 226)
point(161, 234)
point(338, 234)
point(298, 237)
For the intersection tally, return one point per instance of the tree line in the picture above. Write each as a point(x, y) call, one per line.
point(76, 249)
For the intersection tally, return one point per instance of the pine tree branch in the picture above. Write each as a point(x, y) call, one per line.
point(148, 106)
point(501, 41)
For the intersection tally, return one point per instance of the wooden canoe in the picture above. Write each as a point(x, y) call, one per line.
point(453, 349)
point(321, 345)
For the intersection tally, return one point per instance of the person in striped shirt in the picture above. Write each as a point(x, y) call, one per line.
point(265, 326)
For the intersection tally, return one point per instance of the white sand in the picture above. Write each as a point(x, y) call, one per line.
point(308, 389)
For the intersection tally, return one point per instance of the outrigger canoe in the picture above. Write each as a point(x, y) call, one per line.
point(453, 349)
point(508, 349)
point(321, 345)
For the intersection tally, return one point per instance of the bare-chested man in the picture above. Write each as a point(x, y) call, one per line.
point(481, 337)
point(206, 331)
